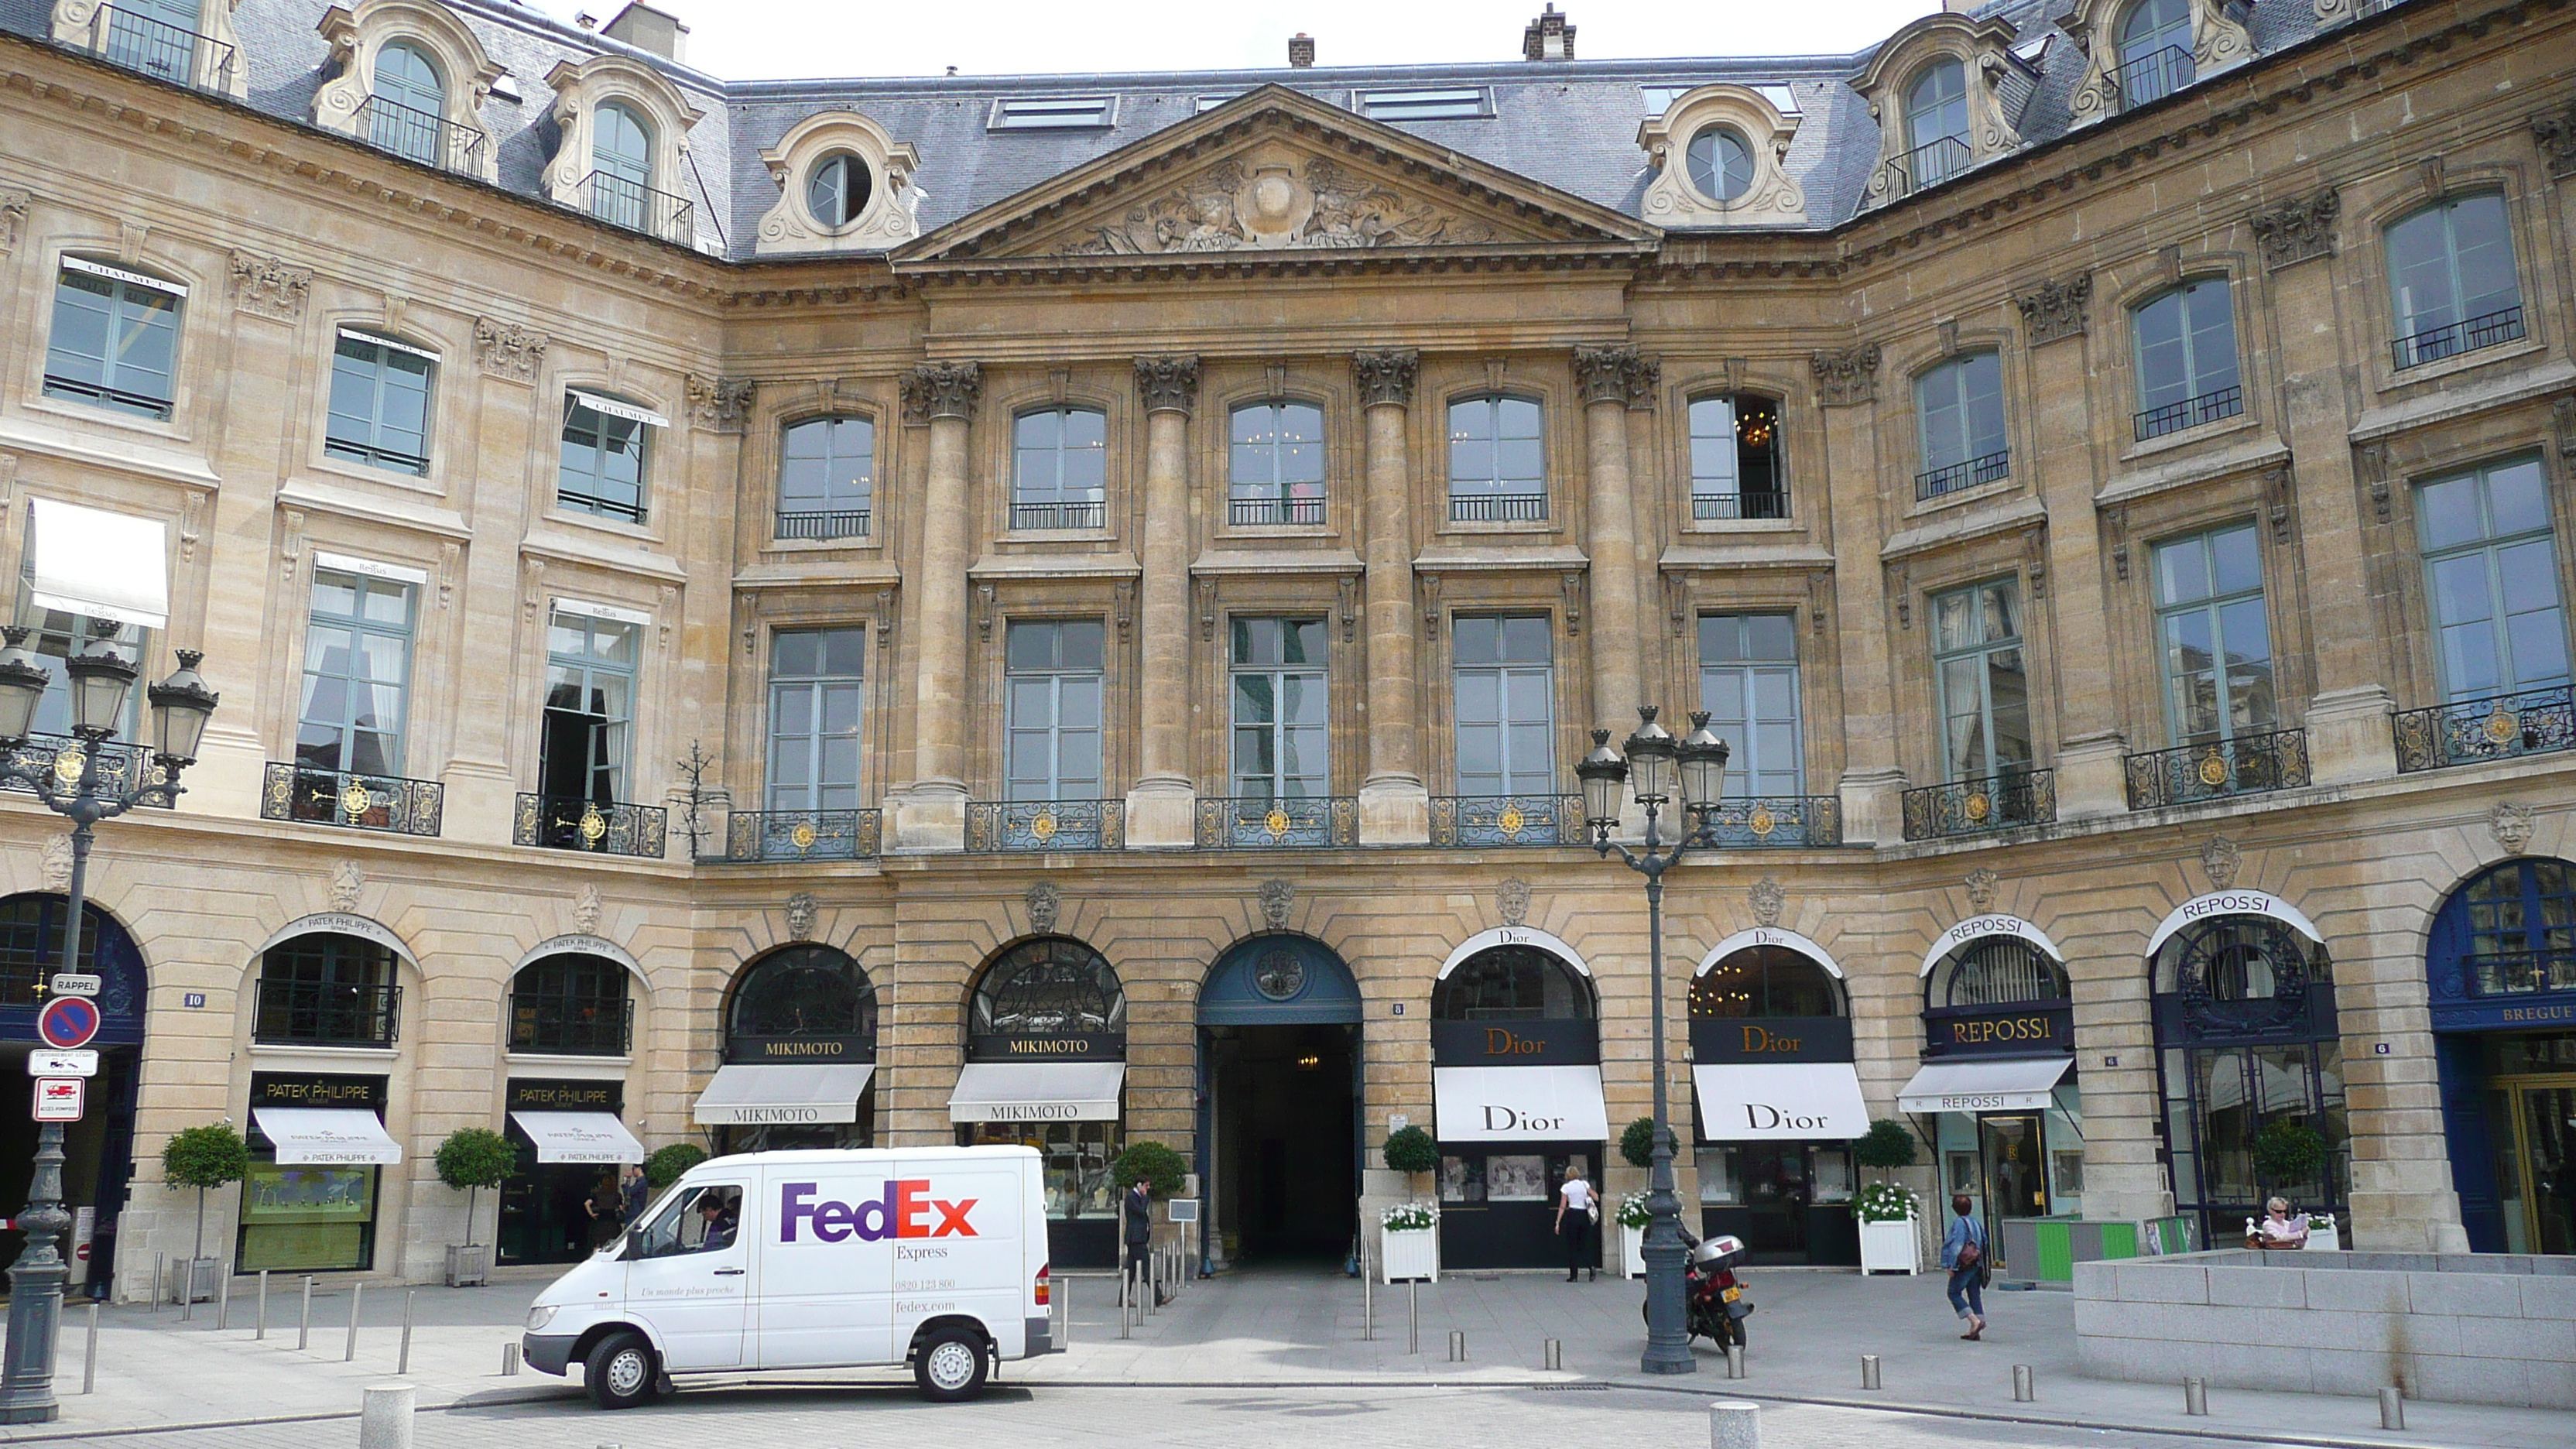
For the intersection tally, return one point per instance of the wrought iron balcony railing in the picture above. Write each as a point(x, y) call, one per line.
point(1960, 476)
point(2475, 731)
point(623, 202)
point(1477, 822)
point(1021, 825)
point(341, 797)
point(1771, 820)
point(1929, 164)
point(823, 523)
point(2435, 343)
point(327, 1013)
point(1056, 515)
point(142, 403)
point(753, 836)
point(1973, 807)
point(161, 50)
point(2152, 77)
point(1497, 507)
point(1246, 512)
point(2519, 973)
point(2191, 412)
point(418, 135)
point(610, 827)
point(571, 1026)
point(121, 768)
point(2214, 769)
point(1756, 503)
point(1318, 822)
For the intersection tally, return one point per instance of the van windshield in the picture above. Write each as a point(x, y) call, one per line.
point(701, 1219)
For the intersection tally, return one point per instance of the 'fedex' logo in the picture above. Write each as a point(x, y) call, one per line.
point(898, 1214)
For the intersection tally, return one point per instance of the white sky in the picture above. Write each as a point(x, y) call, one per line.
point(769, 39)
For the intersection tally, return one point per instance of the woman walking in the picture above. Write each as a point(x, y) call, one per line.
point(1963, 1252)
point(1577, 1208)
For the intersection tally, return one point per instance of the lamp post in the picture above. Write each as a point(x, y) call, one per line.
point(1653, 761)
point(72, 784)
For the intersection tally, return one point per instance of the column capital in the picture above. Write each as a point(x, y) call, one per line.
point(1601, 374)
point(942, 390)
point(1846, 375)
point(1168, 384)
point(1386, 375)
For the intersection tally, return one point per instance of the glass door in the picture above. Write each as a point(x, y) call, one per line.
point(2547, 1128)
point(2016, 1185)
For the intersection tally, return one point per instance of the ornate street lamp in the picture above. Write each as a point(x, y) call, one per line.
point(1653, 762)
point(71, 783)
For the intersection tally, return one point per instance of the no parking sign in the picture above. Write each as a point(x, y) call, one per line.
point(68, 1022)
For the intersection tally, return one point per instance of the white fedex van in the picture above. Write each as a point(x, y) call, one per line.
point(936, 1257)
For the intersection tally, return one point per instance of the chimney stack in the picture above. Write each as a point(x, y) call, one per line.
point(1301, 50)
point(1548, 38)
point(650, 30)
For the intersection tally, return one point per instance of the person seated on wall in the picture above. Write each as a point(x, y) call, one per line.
point(2279, 1229)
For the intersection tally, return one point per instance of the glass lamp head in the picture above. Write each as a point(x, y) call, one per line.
point(1703, 764)
point(1602, 773)
point(102, 681)
point(22, 686)
point(1650, 759)
point(181, 705)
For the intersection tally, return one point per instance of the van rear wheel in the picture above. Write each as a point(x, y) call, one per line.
point(950, 1366)
point(620, 1372)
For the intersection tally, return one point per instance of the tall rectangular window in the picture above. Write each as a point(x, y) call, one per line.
point(1275, 467)
point(604, 449)
point(1748, 683)
point(2451, 278)
point(2186, 340)
point(827, 478)
point(1497, 461)
point(1282, 725)
point(1983, 680)
point(814, 709)
point(1735, 458)
point(357, 675)
point(380, 403)
point(1506, 698)
point(1053, 746)
point(1959, 410)
point(2491, 572)
point(2215, 636)
point(590, 708)
point(1059, 468)
point(115, 339)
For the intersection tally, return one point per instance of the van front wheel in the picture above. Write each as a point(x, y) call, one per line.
point(620, 1372)
point(951, 1366)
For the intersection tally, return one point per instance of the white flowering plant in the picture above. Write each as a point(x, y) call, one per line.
point(1410, 1217)
point(1885, 1202)
point(1632, 1211)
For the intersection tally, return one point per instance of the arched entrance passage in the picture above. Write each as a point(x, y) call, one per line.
point(1279, 1100)
point(1046, 1064)
point(1778, 1100)
point(800, 1050)
point(2502, 967)
point(98, 1150)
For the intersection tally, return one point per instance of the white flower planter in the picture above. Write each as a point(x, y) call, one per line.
point(1889, 1248)
point(1632, 1251)
point(2328, 1239)
point(1410, 1253)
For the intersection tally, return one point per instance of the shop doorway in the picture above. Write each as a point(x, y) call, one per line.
point(1278, 1150)
point(2535, 1128)
point(2016, 1186)
point(98, 1150)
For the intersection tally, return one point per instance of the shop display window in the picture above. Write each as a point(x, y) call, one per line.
point(1077, 1161)
point(308, 1218)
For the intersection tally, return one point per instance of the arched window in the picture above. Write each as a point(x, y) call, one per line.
point(573, 1004)
point(1497, 461)
point(2155, 51)
point(115, 338)
point(1936, 124)
point(1764, 981)
point(159, 38)
point(407, 113)
point(2520, 929)
point(1275, 469)
point(2186, 340)
point(805, 991)
point(1512, 983)
point(838, 189)
point(1997, 971)
point(1049, 987)
point(1059, 468)
point(827, 478)
point(328, 990)
point(2452, 280)
point(1735, 458)
point(621, 167)
point(1720, 163)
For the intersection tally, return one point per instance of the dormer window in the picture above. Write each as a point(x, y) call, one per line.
point(1936, 125)
point(623, 153)
point(164, 39)
point(621, 169)
point(1946, 92)
point(1721, 165)
point(408, 109)
point(2155, 52)
point(844, 184)
point(838, 190)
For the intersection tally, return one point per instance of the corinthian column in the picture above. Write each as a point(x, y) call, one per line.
point(931, 815)
point(1604, 375)
point(1394, 807)
point(1161, 806)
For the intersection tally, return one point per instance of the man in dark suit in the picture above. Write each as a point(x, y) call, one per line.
point(1137, 1208)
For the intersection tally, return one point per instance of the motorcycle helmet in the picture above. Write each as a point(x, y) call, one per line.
point(1718, 1252)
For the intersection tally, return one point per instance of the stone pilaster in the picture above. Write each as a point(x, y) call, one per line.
point(931, 813)
point(1162, 806)
point(1395, 809)
point(1601, 375)
point(1872, 782)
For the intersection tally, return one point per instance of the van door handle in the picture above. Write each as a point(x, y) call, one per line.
point(728, 1272)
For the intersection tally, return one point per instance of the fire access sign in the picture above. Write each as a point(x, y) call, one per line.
point(58, 1099)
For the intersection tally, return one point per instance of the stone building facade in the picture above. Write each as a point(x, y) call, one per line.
point(1187, 525)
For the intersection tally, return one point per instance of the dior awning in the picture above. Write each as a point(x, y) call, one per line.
point(308, 1136)
point(1990, 1084)
point(579, 1137)
point(758, 1096)
point(1519, 1104)
point(1037, 1092)
point(1759, 1101)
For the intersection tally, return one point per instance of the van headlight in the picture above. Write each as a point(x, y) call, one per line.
point(539, 1317)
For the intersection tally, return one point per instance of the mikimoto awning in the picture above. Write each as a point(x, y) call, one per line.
point(1757, 1101)
point(750, 1096)
point(579, 1137)
point(1996, 1084)
point(103, 565)
point(1037, 1092)
point(310, 1135)
point(1519, 1104)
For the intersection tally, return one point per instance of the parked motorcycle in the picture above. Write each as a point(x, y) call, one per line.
point(1714, 1301)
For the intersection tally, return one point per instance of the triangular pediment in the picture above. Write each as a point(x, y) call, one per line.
point(1278, 171)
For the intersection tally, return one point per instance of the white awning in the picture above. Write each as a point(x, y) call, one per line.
point(748, 1096)
point(1756, 1101)
point(326, 1134)
point(104, 565)
point(1519, 1104)
point(1995, 1084)
point(1037, 1092)
point(579, 1137)
point(615, 409)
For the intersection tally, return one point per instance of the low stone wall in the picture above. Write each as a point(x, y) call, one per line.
point(2472, 1328)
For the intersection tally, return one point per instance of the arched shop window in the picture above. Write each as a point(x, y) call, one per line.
point(573, 1005)
point(1774, 1105)
point(1516, 1084)
point(2501, 963)
point(1049, 987)
point(1998, 1091)
point(1997, 971)
point(2246, 1043)
point(1764, 981)
point(801, 1008)
point(1045, 1068)
point(804, 991)
point(1512, 983)
point(328, 990)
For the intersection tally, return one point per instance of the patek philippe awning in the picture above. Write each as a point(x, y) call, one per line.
point(1997, 1084)
point(1757, 1101)
point(1037, 1092)
point(313, 1135)
point(1519, 1104)
point(755, 1096)
point(103, 565)
point(579, 1137)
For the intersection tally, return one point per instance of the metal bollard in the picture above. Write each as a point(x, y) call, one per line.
point(357, 1294)
point(1869, 1371)
point(1412, 1316)
point(160, 1278)
point(1368, 1305)
point(1735, 1360)
point(402, 1360)
point(304, 1320)
point(89, 1359)
point(1555, 1354)
point(510, 1360)
point(1123, 1278)
point(1064, 1295)
point(384, 1421)
point(1734, 1424)
point(2195, 1397)
point(2392, 1407)
point(1457, 1345)
point(262, 1331)
point(2025, 1385)
point(224, 1298)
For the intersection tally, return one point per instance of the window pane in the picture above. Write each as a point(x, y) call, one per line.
point(1769, 636)
point(1030, 646)
point(2182, 571)
point(1082, 644)
point(1478, 641)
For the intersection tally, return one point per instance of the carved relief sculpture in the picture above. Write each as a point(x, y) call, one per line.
point(1276, 897)
point(13, 216)
point(1981, 890)
point(347, 880)
point(1043, 902)
point(801, 911)
point(722, 404)
point(1512, 901)
point(2297, 230)
point(2055, 310)
point(2556, 133)
point(1275, 200)
point(1767, 898)
point(2511, 825)
point(585, 911)
point(1847, 375)
point(942, 390)
point(2219, 861)
point(1386, 375)
point(1601, 373)
point(509, 350)
point(1168, 384)
point(267, 287)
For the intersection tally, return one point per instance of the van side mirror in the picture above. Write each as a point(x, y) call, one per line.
point(634, 1248)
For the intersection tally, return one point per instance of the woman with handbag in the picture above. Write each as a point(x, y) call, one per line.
point(1578, 1207)
point(1963, 1252)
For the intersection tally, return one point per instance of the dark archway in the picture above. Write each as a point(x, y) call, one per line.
point(98, 1149)
point(1279, 1093)
point(2501, 964)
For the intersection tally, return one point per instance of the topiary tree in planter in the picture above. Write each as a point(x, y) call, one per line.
point(668, 1164)
point(1886, 1146)
point(204, 1157)
point(473, 1158)
point(1637, 1143)
point(1162, 1169)
point(2289, 1152)
point(1410, 1150)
